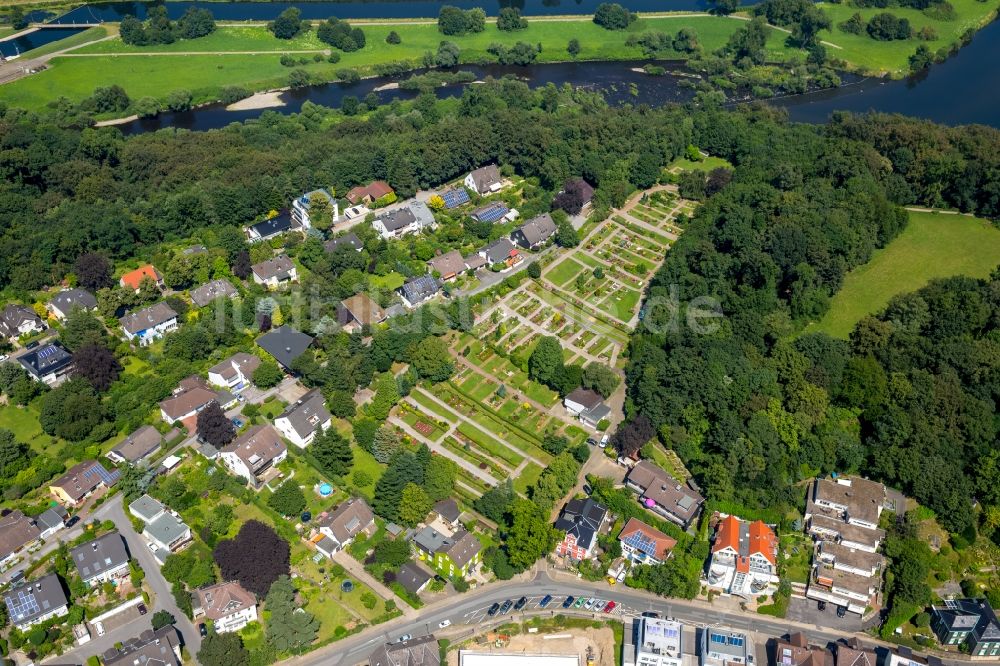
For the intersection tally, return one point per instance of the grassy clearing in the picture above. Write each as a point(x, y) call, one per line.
point(527, 478)
point(931, 246)
point(707, 164)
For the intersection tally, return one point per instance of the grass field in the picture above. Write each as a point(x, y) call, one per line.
point(706, 164)
point(205, 75)
point(931, 246)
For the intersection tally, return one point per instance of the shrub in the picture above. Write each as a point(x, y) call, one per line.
point(348, 75)
point(333, 58)
point(393, 38)
point(612, 16)
point(179, 100)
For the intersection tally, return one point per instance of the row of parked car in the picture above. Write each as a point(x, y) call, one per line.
point(585, 603)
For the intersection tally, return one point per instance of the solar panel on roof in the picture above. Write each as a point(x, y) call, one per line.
point(22, 604)
point(641, 542)
point(455, 197)
point(491, 213)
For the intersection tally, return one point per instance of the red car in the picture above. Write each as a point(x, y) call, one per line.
point(610, 607)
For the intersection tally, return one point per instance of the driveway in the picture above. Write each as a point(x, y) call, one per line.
point(98, 645)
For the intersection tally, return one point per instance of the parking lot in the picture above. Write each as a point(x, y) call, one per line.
point(807, 610)
point(482, 614)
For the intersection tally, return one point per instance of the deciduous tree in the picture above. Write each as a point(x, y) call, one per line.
point(256, 557)
point(214, 426)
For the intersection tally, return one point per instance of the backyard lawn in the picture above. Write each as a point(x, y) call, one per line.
point(931, 246)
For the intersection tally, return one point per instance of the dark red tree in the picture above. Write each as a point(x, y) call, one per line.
point(93, 271)
point(98, 365)
point(241, 265)
point(633, 435)
point(214, 426)
point(256, 557)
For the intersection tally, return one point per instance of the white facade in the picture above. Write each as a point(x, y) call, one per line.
point(235, 621)
point(300, 210)
point(149, 335)
point(237, 466)
point(273, 281)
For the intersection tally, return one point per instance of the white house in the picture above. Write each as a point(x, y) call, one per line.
point(102, 560)
point(149, 324)
point(301, 206)
point(235, 373)
point(275, 272)
point(166, 533)
point(36, 601)
point(67, 300)
point(484, 180)
point(300, 422)
point(50, 364)
point(338, 528)
point(18, 320)
point(409, 219)
point(254, 452)
point(227, 605)
point(744, 558)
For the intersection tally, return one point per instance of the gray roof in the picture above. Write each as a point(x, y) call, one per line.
point(485, 177)
point(146, 508)
point(68, 299)
point(347, 520)
point(397, 219)
point(586, 397)
point(45, 360)
point(536, 230)
point(420, 651)
point(422, 213)
point(285, 344)
point(100, 555)
point(140, 320)
point(16, 531)
point(461, 547)
point(448, 509)
point(140, 444)
point(350, 240)
point(307, 414)
point(166, 528)
point(34, 599)
point(429, 540)
point(52, 517)
point(210, 291)
point(420, 289)
point(448, 264)
point(279, 267)
point(147, 649)
point(654, 483)
point(596, 414)
point(14, 315)
point(498, 251)
point(412, 577)
point(581, 518)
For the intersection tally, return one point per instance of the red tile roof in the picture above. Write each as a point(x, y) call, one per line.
point(134, 278)
point(664, 543)
point(757, 537)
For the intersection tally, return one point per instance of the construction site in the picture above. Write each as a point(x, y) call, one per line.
point(570, 647)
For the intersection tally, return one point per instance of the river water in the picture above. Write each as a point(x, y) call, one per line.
point(32, 40)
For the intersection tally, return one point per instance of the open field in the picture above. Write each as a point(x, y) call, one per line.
point(931, 246)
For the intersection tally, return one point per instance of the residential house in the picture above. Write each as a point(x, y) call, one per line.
point(146, 509)
point(82, 479)
point(50, 364)
point(653, 641)
point(585, 189)
point(455, 555)
point(150, 648)
point(359, 310)
point(192, 396)
point(903, 656)
point(662, 494)
point(284, 344)
point(301, 206)
point(300, 422)
point(51, 521)
point(67, 300)
point(484, 180)
point(336, 529)
point(413, 577)
point(417, 290)
point(272, 227)
point(18, 533)
point(447, 266)
point(587, 405)
point(796, 651)
point(370, 193)
point(725, 647)
point(133, 279)
point(194, 249)
point(17, 320)
point(852, 653)
point(419, 651)
point(358, 212)
point(227, 605)
point(581, 520)
point(744, 558)
point(36, 601)
point(254, 452)
point(102, 560)
point(851, 560)
point(448, 511)
point(454, 197)
point(495, 211)
point(350, 240)
point(139, 445)
point(969, 622)
point(409, 219)
point(855, 593)
point(235, 373)
point(208, 292)
point(475, 261)
point(502, 252)
point(166, 534)
point(149, 324)
point(533, 233)
point(275, 272)
point(643, 544)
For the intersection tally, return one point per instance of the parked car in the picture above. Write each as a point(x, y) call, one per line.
point(3, 357)
point(444, 623)
point(505, 608)
point(545, 601)
point(521, 603)
point(32, 344)
point(142, 609)
point(404, 638)
point(605, 439)
point(610, 607)
point(580, 602)
point(590, 603)
point(841, 611)
point(591, 441)
point(72, 521)
point(493, 610)
point(652, 614)
point(100, 628)
point(569, 602)
point(237, 422)
point(203, 630)
point(821, 605)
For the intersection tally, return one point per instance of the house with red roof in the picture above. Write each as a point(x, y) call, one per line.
point(744, 557)
point(643, 544)
point(133, 279)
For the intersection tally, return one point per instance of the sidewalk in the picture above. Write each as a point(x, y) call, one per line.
point(358, 571)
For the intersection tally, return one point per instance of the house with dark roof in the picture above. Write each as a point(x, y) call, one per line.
point(370, 193)
point(149, 324)
point(228, 605)
point(969, 622)
point(18, 533)
point(272, 227)
point(533, 233)
point(581, 520)
point(744, 558)
point(359, 310)
point(350, 240)
point(643, 544)
point(336, 529)
point(663, 494)
point(302, 205)
point(408, 219)
point(50, 364)
point(133, 279)
point(587, 405)
point(187, 400)
point(139, 445)
point(51, 521)
point(484, 180)
point(254, 452)
point(420, 651)
point(455, 555)
point(495, 211)
point(448, 511)
point(447, 266)
point(36, 601)
point(454, 197)
point(852, 653)
point(284, 344)
point(102, 560)
point(150, 648)
point(80, 480)
point(17, 320)
point(275, 272)
point(417, 290)
point(501, 251)
point(67, 300)
point(413, 577)
point(234, 373)
point(300, 421)
point(208, 292)
point(475, 261)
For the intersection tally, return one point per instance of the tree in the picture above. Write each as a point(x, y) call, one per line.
point(633, 435)
point(82, 328)
point(403, 469)
point(71, 411)
point(431, 359)
point(495, 502)
point(18, 19)
point(724, 7)
point(393, 38)
point(179, 273)
point(439, 478)
point(546, 360)
point(332, 452)
point(566, 235)
point(339, 34)
point(364, 430)
point(256, 557)
point(267, 375)
point(455, 21)
point(97, 365)
point(162, 618)
point(385, 444)
point(93, 271)
point(534, 270)
point(288, 499)
point(223, 650)
point(287, 25)
point(612, 16)
point(447, 54)
point(530, 536)
point(386, 397)
point(510, 19)
point(341, 404)
point(196, 22)
point(573, 47)
point(108, 99)
point(392, 552)
point(888, 27)
point(214, 427)
point(289, 627)
point(414, 504)
point(600, 378)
